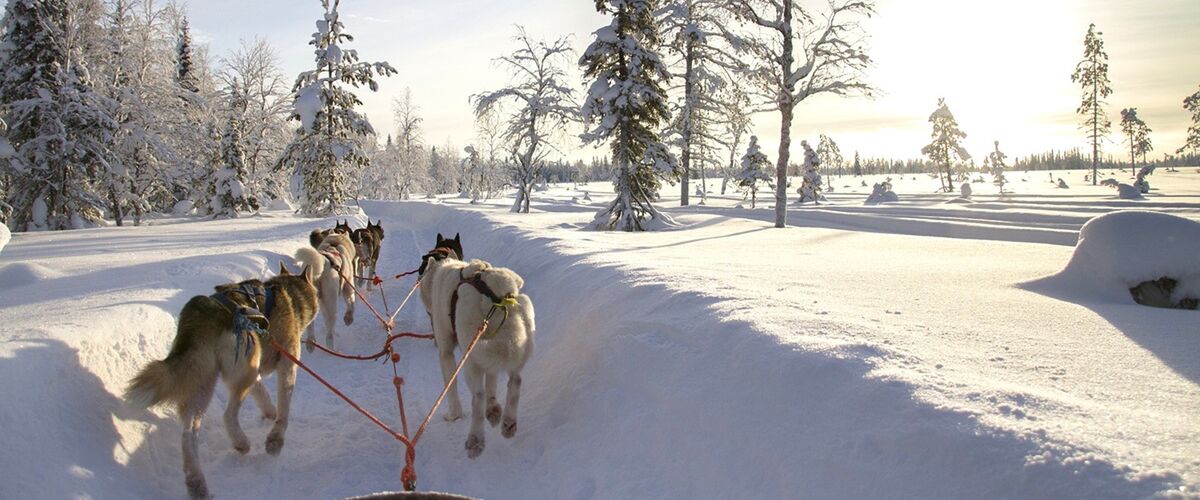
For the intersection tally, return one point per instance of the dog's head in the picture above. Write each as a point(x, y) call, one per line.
point(453, 244)
point(342, 227)
point(376, 228)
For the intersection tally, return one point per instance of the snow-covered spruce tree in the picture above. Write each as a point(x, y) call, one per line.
point(625, 106)
point(755, 169)
point(696, 37)
point(1091, 74)
point(810, 187)
point(830, 155)
point(59, 127)
point(1137, 134)
point(544, 104)
point(857, 167)
point(734, 115)
point(944, 148)
point(796, 55)
point(232, 197)
point(324, 151)
point(995, 160)
point(1192, 104)
point(184, 71)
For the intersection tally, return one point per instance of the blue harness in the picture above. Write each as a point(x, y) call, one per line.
point(248, 320)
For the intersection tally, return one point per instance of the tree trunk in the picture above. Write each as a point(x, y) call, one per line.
point(1095, 135)
point(688, 90)
point(786, 108)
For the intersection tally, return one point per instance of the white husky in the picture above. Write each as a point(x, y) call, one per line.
point(335, 252)
point(505, 346)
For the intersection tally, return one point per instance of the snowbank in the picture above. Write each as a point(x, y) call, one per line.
point(1117, 251)
point(5, 236)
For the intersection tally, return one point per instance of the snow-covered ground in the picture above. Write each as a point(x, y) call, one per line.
point(926, 348)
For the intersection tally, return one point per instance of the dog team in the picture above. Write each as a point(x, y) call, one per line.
point(236, 333)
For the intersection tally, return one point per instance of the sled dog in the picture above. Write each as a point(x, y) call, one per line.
point(367, 241)
point(334, 254)
point(459, 296)
point(215, 337)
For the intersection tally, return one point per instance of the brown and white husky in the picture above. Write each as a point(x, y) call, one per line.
point(213, 339)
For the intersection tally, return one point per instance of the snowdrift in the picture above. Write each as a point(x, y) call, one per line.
point(1117, 251)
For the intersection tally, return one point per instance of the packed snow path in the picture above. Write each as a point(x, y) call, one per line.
point(724, 360)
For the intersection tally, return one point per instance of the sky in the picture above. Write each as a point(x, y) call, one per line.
point(1004, 68)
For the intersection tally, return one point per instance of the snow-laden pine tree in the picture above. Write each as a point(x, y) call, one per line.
point(1091, 74)
point(1192, 104)
point(326, 151)
point(1137, 135)
point(697, 38)
point(857, 167)
point(543, 104)
point(185, 73)
point(810, 186)
point(59, 127)
point(231, 196)
point(995, 160)
point(830, 155)
point(625, 107)
point(944, 149)
point(755, 169)
point(795, 54)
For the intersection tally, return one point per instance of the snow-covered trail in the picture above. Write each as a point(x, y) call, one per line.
point(725, 360)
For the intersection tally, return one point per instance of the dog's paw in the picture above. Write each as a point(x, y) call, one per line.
point(451, 416)
point(348, 318)
point(509, 429)
point(274, 443)
point(493, 414)
point(474, 445)
point(269, 415)
point(241, 445)
point(197, 487)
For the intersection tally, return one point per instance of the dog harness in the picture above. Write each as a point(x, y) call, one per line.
point(248, 320)
point(439, 253)
point(498, 302)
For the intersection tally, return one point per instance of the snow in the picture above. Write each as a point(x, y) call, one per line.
point(1117, 251)
point(721, 358)
point(5, 236)
point(308, 104)
point(1127, 192)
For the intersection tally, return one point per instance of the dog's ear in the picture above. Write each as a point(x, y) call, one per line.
point(440, 239)
point(307, 273)
point(456, 238)
point(283, 270)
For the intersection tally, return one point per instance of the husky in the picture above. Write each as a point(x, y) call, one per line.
point(367, 241)
point(210, 341)
point(332, 265)
point(446, 253)
point(461, 295)
point(342, 227)
point(317, 236)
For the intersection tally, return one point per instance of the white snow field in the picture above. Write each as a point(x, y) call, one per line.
point(919, 349)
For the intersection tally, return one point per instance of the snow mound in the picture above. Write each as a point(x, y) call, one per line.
point(5, 236)
point(1120, 250)
point(1127, 192)
point(280, 204)
point(24, 273)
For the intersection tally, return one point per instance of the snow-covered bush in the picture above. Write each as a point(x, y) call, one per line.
point(882, 193)
point(1118, 253)
point(966, 190)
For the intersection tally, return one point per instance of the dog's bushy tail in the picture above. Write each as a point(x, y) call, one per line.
point(169, 381)
point(308, 257)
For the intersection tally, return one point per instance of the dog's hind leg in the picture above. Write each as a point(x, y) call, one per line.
point(348, 296)
point(191, 412)
point(285, 374)
point(454, 409)
point(510, 406)
point(474, 375)
point(238, 386)
point(263, 400)
point(493, 406)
